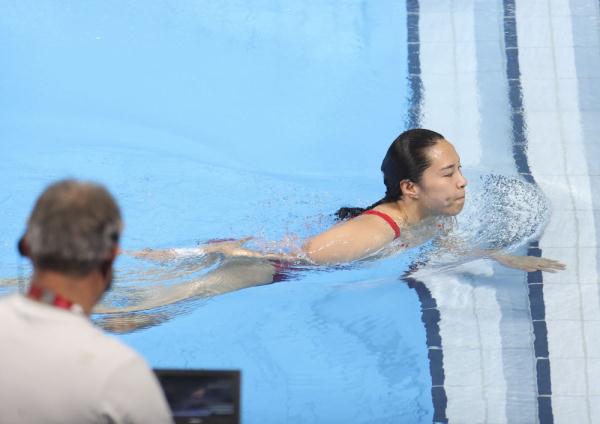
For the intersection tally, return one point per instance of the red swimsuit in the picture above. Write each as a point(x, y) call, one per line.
point(387, 219)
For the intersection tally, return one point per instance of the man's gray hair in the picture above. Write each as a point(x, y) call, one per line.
point(73, 228)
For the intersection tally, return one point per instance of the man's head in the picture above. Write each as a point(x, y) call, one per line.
point(74, 229)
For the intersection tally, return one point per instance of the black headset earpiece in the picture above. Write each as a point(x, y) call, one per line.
point(105, 268)
point(22, 247)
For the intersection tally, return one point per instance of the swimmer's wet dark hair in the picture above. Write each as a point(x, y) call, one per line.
point(406, 159)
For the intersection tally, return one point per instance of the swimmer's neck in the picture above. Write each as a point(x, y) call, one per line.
point(82, 290)
point(409, 211)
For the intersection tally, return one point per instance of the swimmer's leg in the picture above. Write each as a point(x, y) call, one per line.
point(131, 322)
point(9, 282)
point(233, 274)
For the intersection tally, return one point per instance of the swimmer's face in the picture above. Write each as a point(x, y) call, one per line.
point(441, 190)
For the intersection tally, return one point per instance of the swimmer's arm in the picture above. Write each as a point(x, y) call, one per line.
point(349, 241)
point(228, 248)
point(527, 263)
point(524, 263)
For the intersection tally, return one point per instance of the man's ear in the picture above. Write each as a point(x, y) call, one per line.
point(409, 189)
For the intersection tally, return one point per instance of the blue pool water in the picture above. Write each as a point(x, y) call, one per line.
point(226, 119)
point(211, 119)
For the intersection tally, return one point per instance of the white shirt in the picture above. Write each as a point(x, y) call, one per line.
point(56, 367)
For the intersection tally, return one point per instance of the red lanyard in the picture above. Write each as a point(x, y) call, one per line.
point(45, 296)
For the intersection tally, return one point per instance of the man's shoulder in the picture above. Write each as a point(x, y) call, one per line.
point(6, 301)
point(106, 347)
point(112, 347)
point(10, 304)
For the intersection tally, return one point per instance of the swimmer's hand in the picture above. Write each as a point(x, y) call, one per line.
point(529, 263)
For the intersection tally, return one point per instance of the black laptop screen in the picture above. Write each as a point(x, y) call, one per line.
point(202, 396)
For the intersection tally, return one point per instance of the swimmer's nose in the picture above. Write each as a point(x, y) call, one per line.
point(462, 182)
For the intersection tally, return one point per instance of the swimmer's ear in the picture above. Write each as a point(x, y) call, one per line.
point(409, 189)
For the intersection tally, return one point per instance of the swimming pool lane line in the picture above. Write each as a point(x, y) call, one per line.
point(430, 314)
point(413, 119)
point(535, 279)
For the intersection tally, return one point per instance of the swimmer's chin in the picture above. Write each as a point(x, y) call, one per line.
point(455, 208)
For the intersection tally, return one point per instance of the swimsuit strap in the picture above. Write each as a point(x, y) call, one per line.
point(387, 219)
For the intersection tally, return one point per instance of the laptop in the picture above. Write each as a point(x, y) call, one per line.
point(202, 396)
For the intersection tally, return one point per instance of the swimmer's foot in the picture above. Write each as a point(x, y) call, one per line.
point(153, 255)
point(229, 248)
point(529, 263)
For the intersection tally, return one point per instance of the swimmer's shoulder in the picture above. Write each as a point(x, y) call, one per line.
point(385, 220)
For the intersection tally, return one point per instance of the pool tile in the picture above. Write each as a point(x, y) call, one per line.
point(588, 265)
point(440, 53)
point(506, 329)
point(544, 161)
point(489, 63)
point(540, 95)
point(590, 302)
point(592, 150)
point(586, 55)
point(561, 230)
point(542, 127)
point(570, 410)
point(466, 405)
point(531, 8)
point(565, 339)
point(562, 302)
point(568, 377)
point(593, 374)
point(592, 338)
point(503, 367)
point(588, 222)
point(576, 159)
point(585, 190)
point(595, 409)
point(561, 36)
point(460, 332)
point(538, 62)
point(463, 367)
point(578, 94)
point(534, 31)
point(438, 20)
point(485, 298)
point(485, 24)
point(495, 398)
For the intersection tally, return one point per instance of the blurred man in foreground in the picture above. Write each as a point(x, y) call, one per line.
point(56, 366)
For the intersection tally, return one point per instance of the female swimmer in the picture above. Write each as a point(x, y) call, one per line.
point(424, 186)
